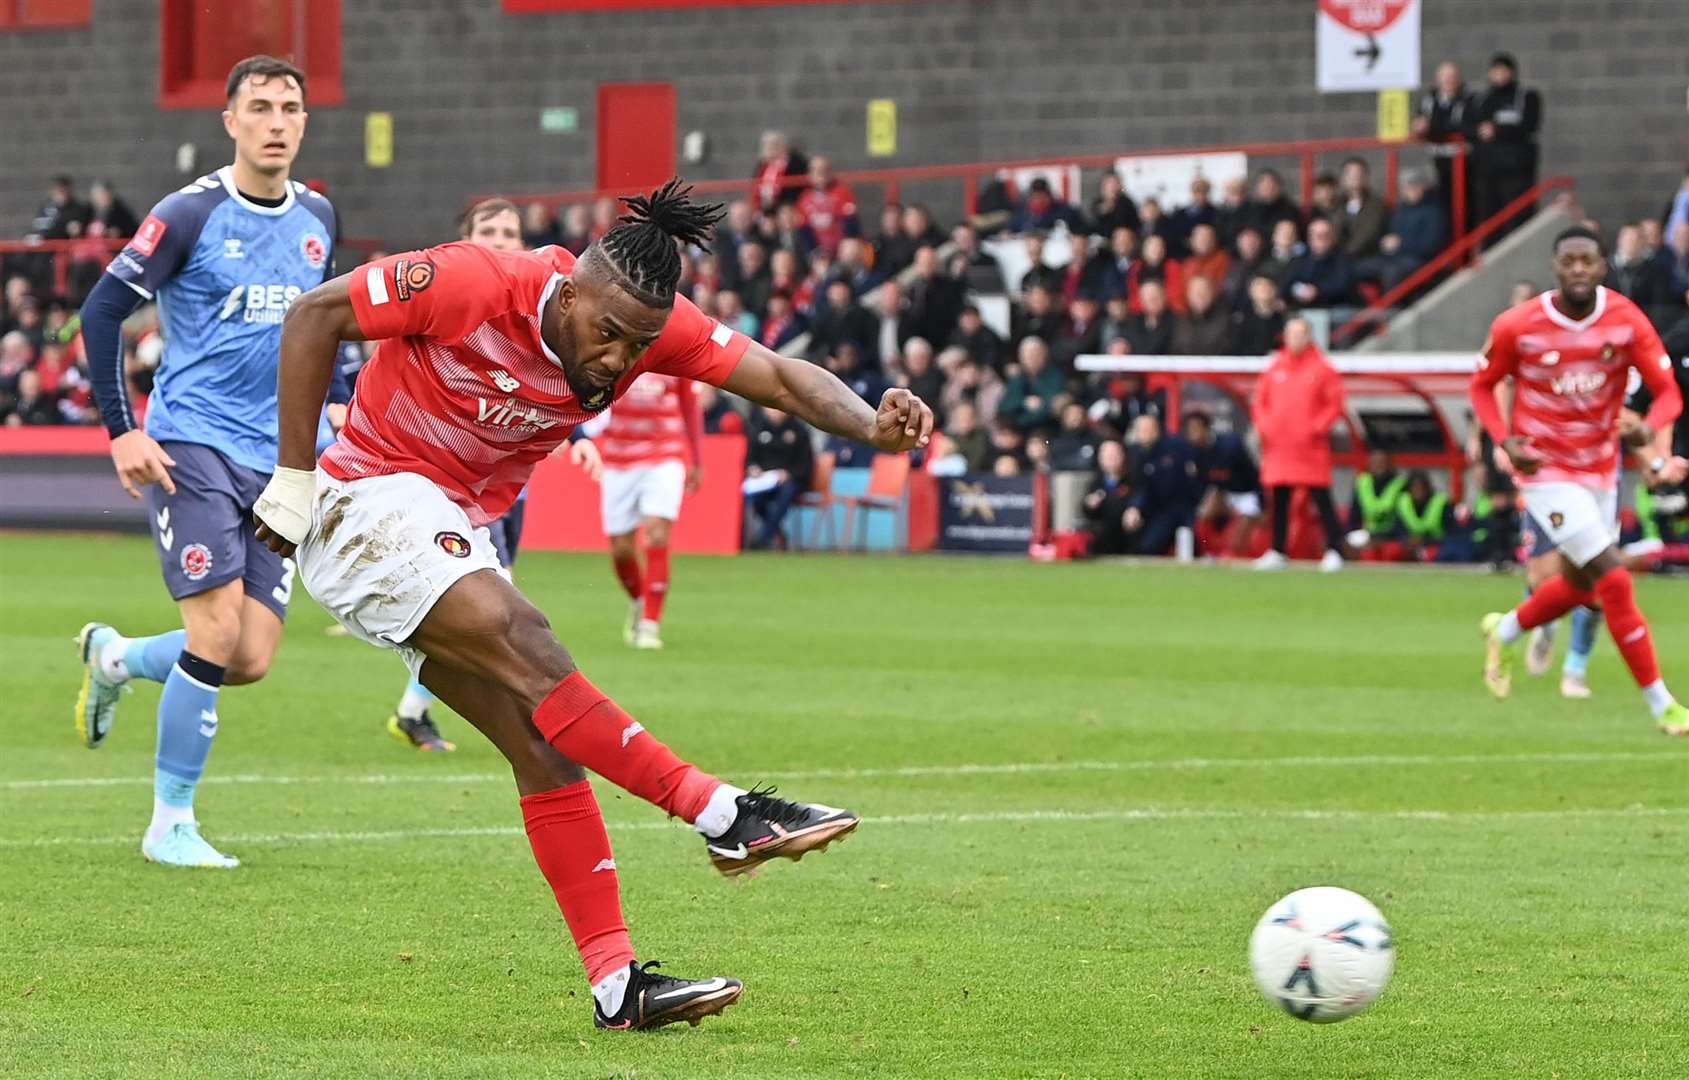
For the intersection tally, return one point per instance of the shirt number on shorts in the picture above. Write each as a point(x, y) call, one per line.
point(284, 592)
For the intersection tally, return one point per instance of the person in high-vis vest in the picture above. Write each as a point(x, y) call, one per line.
point(1377, 491)
point(1423, 514)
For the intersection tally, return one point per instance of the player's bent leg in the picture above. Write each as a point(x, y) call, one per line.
point(624, 555)
point(647, 633)
point(570, 844)
point(483, 626)
point(1574, 671)
point(1617, 593)
point(255, 647)
point(187, 723)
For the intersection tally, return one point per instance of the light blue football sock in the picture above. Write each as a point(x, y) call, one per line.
point(152, 657)
point(187, 722)
point(1586, 623)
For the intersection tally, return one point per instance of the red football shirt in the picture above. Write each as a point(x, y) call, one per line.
point(655, 421)
point(1570, 379)
point(825, 213)
point(463, 391)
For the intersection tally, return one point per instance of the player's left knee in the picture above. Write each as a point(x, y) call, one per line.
point(247, 668)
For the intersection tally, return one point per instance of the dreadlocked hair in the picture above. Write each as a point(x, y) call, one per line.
point(641, 248)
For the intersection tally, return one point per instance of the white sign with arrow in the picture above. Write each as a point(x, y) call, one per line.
point(1367, 45)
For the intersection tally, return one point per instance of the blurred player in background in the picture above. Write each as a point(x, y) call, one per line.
point(225, 257)
point(654, 430)
point(1570, 353)
point(494, 224)
point(488, 360)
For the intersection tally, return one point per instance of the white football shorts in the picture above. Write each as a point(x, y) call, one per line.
point(1582, 520)
point(649, 491)
point(383, 550)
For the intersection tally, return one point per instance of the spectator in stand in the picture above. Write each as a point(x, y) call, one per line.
point(1234, 289)
point(854, 265)
point(1204, 328)
point(1112, 208)
point(1038, 273)
point(1630, 273)
point(752, 279)
point(1364, 217)
point(1257, 328)
point(1286, 249)
point(739, 227)
point(840, 319)
point(1502, 126)
point(862, 376)
point(1268, 205)
point(1231, 216)
point(921, 375)
point(28, 322)
point(1150, 332)
point(1166, 487)
point(1188, 218)
point(783, 273)
point(730, 312)
point(1156, 266)
point(1107, 272)
point(1122, 400)
point(1080, 334)
point(970, 263)
point(782, 324)
point(63, 216)
point(17, 356)
point(1008, 455)
point(1675, 263)
point(1117, 322)
point(1296, 402)
point(777, 164)
point(540, 227)
point(1231, 496)
point(968, 439)
point(720, 417)
point(1206, 260)
point(1154, 222)
point(935, 298)
point(1039, 318)
point(34, 406)
point(972, 383)
point(1041, 210)
point(16, 292)
point(1415, 235)
point(827, 207)
point(778, 461)
point(1324, 277)
point(1107, 500)
point(892, 325)
point(916, 230)
point(1677, 209)
point(981, 343)
point(605, 213)
point(785, 231)
point(1030, 397)
point(577, 227)
point(1440, 118)
point(1326, 204)
point(1074, 448)
point(1521, 292)
point(1073, 274)
point(108, 215)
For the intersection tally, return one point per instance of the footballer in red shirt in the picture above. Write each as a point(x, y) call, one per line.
point(487, 361)
point(1570, 354)
point(652, 447)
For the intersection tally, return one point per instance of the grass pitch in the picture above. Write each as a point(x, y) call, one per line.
point(1082, 785)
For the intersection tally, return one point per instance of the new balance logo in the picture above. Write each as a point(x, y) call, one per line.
point(503, 381)
point(207, 723)
point(604, 864)
point(166, 535)
point(630, 731)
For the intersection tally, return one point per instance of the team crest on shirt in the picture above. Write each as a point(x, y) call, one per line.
point(453, 544)
point(315, 251)
point(1556, 519)
point(1608, 352)
point(196, 562)
point(1550, 358)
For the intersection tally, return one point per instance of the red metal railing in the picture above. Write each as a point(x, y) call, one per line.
point(1451, 257)
point(1305, 152)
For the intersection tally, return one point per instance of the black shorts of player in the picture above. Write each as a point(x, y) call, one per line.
point(204, 532)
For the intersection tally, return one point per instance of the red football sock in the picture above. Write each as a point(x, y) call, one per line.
point(1629, 629)
point(573, 850)
point(1550, 600)
point(656, 580)
point(627, 569)
point(587, 727)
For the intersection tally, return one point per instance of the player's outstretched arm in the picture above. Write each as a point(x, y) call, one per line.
point(315, 326)
point(816, 396)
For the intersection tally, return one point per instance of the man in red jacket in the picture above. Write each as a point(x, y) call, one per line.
point(1299, 398)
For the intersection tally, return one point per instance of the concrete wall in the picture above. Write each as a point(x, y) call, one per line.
point(981, 79)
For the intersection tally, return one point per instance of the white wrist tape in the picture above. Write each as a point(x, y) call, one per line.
point(285, 505)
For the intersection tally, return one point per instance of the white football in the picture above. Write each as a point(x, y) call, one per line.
point(1322, 954)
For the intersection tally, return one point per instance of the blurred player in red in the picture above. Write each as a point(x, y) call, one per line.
point(654, 431)
point(488, 360)
point(1570, 353)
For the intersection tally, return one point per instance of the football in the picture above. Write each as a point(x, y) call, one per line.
point(1322, 954)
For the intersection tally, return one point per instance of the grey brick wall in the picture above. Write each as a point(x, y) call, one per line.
point(983, 79)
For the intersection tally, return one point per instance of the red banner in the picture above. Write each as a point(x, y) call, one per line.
point(1365, 16)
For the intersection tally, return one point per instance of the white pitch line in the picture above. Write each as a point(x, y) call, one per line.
point(905, 771)
point(985, 818)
